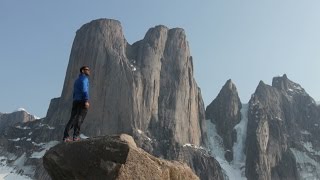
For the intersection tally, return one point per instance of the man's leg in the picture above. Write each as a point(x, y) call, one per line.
point(79, 120)
point(69, 125)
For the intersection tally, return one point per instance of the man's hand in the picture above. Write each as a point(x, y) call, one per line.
point(86, 104)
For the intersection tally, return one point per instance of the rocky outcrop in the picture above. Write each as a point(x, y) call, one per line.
point(147, 86)
point(110, 157)
point(224, 111)
point(283, 126)
point(146, 89)
point(203, 164)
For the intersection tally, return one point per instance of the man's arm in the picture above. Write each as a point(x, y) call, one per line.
point(85, 90)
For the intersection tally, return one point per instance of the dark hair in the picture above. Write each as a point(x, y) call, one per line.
point(82, 68)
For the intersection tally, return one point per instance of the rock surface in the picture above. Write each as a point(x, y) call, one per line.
point(110, 157)
point(203, 164)
point(224, 111)
point(283, 131)
point(147, 86)
point(10, 119)
point(146, 89)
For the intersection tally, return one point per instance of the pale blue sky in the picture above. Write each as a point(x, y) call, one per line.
point(245, 40)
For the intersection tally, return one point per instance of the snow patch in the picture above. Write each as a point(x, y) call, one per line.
point(296, 89)
point(20, 164)
point(15, 140)
point(217, 151)
point(239, 157)
point(82, 136)
point(9, 173)
point(142, 133)
point(25, 127)
point(132, 63)
point(305, 132)
point(236, 168)
point(21, 109)
point(36, 144)
point(24, 110)
point(278, 118)
point(47, 125)
point(46, 147)
point(194, 146)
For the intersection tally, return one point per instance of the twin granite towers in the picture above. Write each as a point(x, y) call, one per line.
point(147, 90)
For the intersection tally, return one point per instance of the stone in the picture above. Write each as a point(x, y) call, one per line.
point(110, 157)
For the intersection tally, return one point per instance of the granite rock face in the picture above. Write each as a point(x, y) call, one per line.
point(147, 86)
point(224, 111)
point(146, 89)
point(283, 131)
point(110, 157)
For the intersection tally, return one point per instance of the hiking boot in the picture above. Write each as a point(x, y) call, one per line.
point(76, 138)
point(67, 139)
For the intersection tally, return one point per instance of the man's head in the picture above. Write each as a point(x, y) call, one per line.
point(85, 70)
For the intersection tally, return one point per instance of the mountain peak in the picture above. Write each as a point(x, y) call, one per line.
point(25, 111)
point(230, 85)
point(285, 84)
point(224, 111)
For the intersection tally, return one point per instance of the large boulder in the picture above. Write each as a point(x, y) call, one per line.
point(110, 157)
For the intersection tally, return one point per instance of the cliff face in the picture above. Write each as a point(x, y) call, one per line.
point(146, 90)
point(282, 132)
point(147, 86)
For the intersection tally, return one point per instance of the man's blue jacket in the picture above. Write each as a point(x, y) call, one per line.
point(81, 88)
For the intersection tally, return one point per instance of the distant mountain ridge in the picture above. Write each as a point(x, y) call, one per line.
point(20, 115)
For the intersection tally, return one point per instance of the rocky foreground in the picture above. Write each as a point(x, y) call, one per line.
point(110, 157)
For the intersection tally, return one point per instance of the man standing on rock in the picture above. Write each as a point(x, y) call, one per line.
point(80, 105)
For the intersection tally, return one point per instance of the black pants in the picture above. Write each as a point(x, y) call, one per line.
point(78, 113)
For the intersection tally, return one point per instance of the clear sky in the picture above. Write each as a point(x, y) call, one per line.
point(243, 40)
